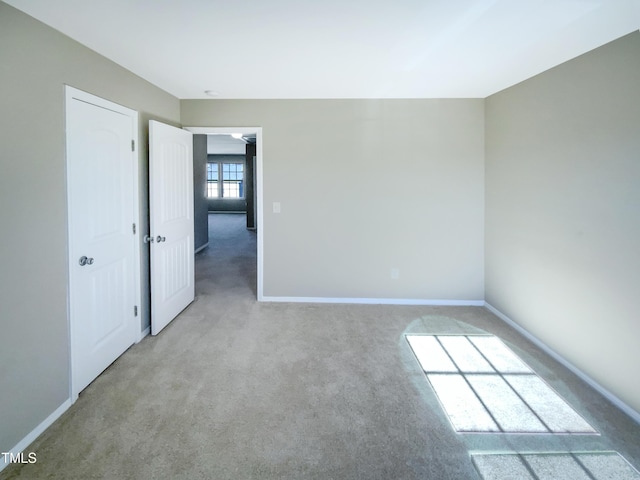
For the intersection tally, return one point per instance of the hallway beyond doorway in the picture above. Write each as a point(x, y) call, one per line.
point(228, 266)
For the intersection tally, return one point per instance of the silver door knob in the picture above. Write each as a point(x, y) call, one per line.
point(84, 260)
point(148, 239)
point(160, 239)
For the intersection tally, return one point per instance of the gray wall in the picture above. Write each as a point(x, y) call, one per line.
point(250, 160)
point(563, 211)
point(35, 63)
point(366, 186)
point(200, 209)
point(227, 204)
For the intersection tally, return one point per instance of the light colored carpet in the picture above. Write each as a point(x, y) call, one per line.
point(485, 388)
point(236, 389)
point(555, 466)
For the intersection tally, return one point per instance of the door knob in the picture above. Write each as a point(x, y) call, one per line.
point(148, 239)
point(84, 260)
point(160, 239)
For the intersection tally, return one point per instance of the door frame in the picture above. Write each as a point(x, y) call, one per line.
point(72, 94)
point(257, 131)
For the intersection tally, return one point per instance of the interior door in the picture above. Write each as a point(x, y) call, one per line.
point(102, 207)
point(171, 222)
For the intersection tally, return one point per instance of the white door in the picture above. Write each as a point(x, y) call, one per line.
point(102, 206)
point(171, 222)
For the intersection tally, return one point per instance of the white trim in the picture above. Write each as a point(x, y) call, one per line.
point(72, 93)
point(377, 301)
point(224, 130)
point(144, 333)
point(259, 192)
point(201, 248)
point(548, 350)
point(36, 432)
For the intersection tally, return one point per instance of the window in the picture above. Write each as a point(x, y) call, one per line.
point(212, 180)
point(232, 184)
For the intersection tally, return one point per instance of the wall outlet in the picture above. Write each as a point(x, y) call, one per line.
point(395, 273)
point(276, 207)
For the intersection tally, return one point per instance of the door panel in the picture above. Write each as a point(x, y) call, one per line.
point(101, 172)
point(171, 222)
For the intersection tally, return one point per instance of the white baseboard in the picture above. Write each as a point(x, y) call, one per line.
point(36, 432)
point(144, 333)
point(590, 381)
point(375, 301)
point(201, 248)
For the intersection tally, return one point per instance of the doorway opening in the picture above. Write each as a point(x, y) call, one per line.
point(251, 134)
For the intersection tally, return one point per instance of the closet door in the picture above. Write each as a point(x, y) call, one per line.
point(102, 206)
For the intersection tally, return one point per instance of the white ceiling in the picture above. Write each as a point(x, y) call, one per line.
point(338, 48)
point(225, 144)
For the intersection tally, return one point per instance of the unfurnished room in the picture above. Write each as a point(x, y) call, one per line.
point(320, 240)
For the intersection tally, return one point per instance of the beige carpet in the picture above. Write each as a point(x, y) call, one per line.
point(485, 388)
point(235, 389)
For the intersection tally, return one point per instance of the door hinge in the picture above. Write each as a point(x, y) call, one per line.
point(133, 145)
point(135, 310)
point(134, 228)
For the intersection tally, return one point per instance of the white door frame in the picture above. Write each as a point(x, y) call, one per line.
point(72, 93)
point(257, 131)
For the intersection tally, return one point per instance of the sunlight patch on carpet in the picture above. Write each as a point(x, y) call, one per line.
point(554, 466)
point(484, 387)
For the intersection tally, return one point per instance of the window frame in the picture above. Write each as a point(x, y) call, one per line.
point(220, 181)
